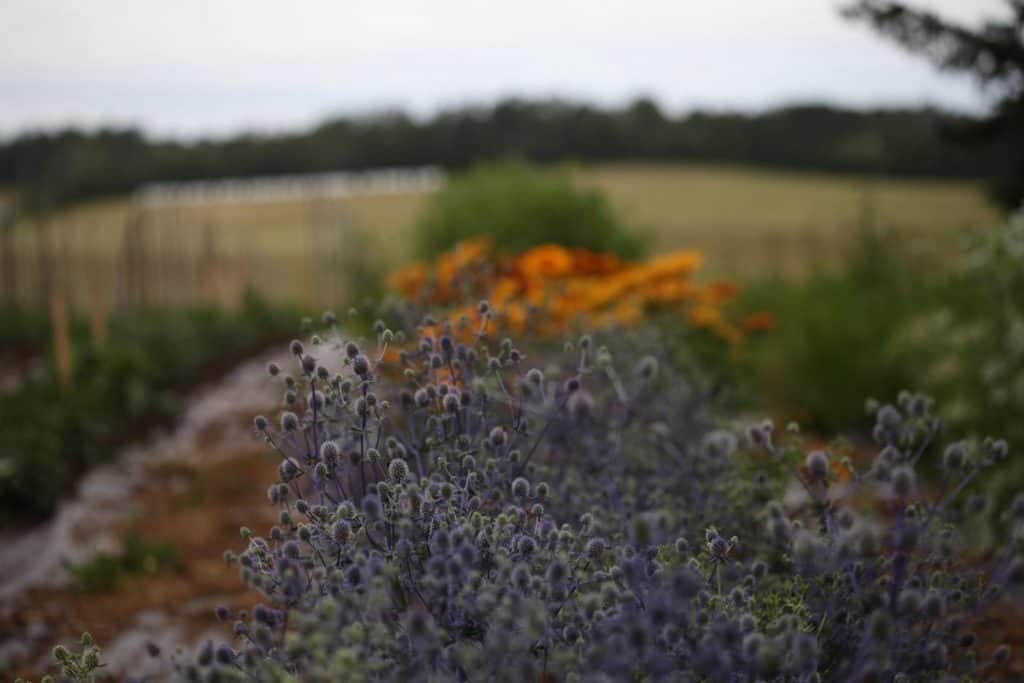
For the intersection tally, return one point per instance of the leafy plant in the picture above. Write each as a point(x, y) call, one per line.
point(48, 436)
point(82, 665)
point(519, 207)
point(22, 329)
point(971, 342)
point(101, 573)
point(837, 333)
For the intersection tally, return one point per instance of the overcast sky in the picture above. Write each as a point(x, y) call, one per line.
point(197, 67)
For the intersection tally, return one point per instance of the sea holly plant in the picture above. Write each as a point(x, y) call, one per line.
point(463, 508)
point(82, 665)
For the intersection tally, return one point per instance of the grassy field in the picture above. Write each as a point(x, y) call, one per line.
point(749, 222)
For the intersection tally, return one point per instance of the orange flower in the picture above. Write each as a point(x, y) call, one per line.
point(681, 262)
point(515, 316)
point(761, 321)
point(729, 333)
point(586, 262)
point(470, 251)
point(571, 287)
point(566, 308)
point(842, 472)
point(545, 261)
point(720, 292)
point(410, 279)
point(596, 292)
point(704, 316)
point(669, 291)
point(392, 356)
point(628, 312)
point(504, 290)
point(536, 293)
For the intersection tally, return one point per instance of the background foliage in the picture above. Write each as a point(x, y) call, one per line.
point(76, 164)
point(47, 436)
point(517, 208)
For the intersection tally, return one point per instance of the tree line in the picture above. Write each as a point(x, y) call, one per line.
point(57, 167)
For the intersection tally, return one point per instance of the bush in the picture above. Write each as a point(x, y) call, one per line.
point(47, 436)
point(22, 328)
point(519, 207)
point(467, 515)
point(837, 339)
point(888, 321)
point(970, 343)
point(101, 573)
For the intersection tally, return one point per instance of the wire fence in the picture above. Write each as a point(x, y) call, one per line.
point(156, 261)
point(175, 247)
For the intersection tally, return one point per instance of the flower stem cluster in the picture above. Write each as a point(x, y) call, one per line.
point(471, 512)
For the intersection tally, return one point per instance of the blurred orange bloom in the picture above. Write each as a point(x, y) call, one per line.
point(729, 333)
point(681, 262)
point(720, 292)
point(586, 262)
point(471, 250)
point(704, 316)
point(842, 472)
point(505, 289)
point(545, 261)
point(761, 321)
point(628, 312)
point(572, 287)
point(670, 291)
point(410, 279)
point(515, 316)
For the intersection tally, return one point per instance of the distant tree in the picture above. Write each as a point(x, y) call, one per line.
point(50, 169)
point(992, 53)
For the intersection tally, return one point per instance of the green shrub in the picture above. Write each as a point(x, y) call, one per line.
point(836, 340)
point(971, 343)
point(47, 436)
point(519, 207)
point(23, 327)
point(137, 556)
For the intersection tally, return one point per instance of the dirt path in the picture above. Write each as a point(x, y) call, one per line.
point(194, 487)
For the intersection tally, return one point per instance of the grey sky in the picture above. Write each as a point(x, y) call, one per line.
point(191, 67)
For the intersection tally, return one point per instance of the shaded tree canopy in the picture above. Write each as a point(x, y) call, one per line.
point(52, 168)
point(993, 54)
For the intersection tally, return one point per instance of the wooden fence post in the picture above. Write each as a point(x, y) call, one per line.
point(125, 274)
point(44, 263)
point(209, 266)
point(310, 266)
point(132, 280)
point(61, 339)
point(98, 317)
point(8, 262)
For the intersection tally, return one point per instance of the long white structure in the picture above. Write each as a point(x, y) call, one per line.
point(291, 187)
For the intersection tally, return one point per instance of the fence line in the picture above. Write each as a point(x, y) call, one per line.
point(170, 248)
point(159, 261)
point(8, 259)
point(171, 255)
point(177, 261)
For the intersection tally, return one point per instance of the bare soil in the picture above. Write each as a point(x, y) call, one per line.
point(200, 510)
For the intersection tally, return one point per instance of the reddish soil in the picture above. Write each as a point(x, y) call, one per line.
point(200, 510)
